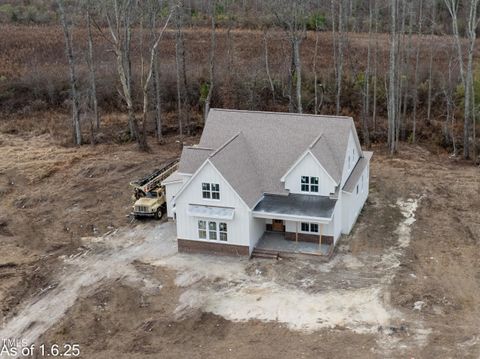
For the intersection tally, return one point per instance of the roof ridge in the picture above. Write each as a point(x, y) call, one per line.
point(283, 113)
point(316, 140)
point(194, 147)
point(225, 144)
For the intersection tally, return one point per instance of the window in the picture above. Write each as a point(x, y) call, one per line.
point(202, 229)
point(309, 184)
point(215, 231)
point(215, 191)
point(212, 231)
point(357, 188)
point(314, 184)
point(206, 190)
point(223, 231)
point(310, 227)
point(211, 190)
point(305, 182)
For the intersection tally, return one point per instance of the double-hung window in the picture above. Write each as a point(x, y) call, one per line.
point(223, 231)
point(212, 230)
point(210, 190)
point(309, 184)
point(202, 229)
point(310, 227)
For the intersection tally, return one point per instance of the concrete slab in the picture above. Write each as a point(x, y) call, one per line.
point(277, 242)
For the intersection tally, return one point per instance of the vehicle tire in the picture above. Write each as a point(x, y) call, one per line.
point(159, 213)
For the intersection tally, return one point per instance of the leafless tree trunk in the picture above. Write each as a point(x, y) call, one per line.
point(298, 72)
point(366, 97)
point(91, 67)
point(77, 134)
point(120, 40)
point(466, 74)
point(392, 105)
point(180, 71)
point(291, 17)
point(211, 60)
point(267, 66)
point(375, 69)
point(417, 60)
point(340, 48)
point(315, 74)
point(146, 79)
point(448, 91)
point(430, 62)
point(158, 102)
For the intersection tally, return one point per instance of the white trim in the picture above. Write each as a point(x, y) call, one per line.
point(291, 217)
point(170, 182)
point(196, 174)
point(300, 160)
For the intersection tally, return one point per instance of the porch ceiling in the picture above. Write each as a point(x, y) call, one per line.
point(295, 207)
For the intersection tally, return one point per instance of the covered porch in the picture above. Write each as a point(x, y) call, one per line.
point(296, 224)
point(276, 242)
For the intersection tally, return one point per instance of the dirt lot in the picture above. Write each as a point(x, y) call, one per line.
point(74, 268)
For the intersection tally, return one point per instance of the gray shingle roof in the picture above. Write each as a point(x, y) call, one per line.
point(297, 205)
point(357, 172)
point(234, 161)
point(255, 149)
point(192, 157)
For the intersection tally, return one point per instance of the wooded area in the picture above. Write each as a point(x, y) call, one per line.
point(404, 69)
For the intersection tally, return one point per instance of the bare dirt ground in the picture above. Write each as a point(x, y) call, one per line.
point(73, 268)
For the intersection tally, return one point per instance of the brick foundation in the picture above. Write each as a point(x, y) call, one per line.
point(189, 246)
point(304, 237)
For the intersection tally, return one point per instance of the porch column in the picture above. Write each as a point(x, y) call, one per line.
point(296, 232)
point(320, 231)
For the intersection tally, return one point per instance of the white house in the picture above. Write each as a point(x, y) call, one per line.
point(303, 177)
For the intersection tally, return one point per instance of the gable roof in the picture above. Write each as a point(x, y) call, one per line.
point(234, 161)
point(192, 157)
point(255, 149)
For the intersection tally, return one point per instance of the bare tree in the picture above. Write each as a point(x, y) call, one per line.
point(119, 27)
point(375, 69)
point(158, 109)
point(267, 66)
point(430, 62)
point(466, 74)
point(366, 90)
point(392, 100)
point(291, 17)
point(211, 59)
point(417, 60)
point(339, 37)
point(77, 134)
point(91, 68)
point(146, 77)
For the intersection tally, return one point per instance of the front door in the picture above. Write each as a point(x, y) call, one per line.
point(278, 226)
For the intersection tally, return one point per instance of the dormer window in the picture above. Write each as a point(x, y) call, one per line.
point(211, 190)
point(309, 184)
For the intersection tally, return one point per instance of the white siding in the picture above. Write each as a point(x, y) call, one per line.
point(351, 158)
point(171, 189)
point(327, 230)
point(308, 166)
point(352, 203)
point(187, 226)
point(257, 228)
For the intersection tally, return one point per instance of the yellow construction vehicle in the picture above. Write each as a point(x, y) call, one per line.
point(149, 194)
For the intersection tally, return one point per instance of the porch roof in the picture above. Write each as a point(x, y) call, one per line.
point(295, 206)
point(196, 210)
